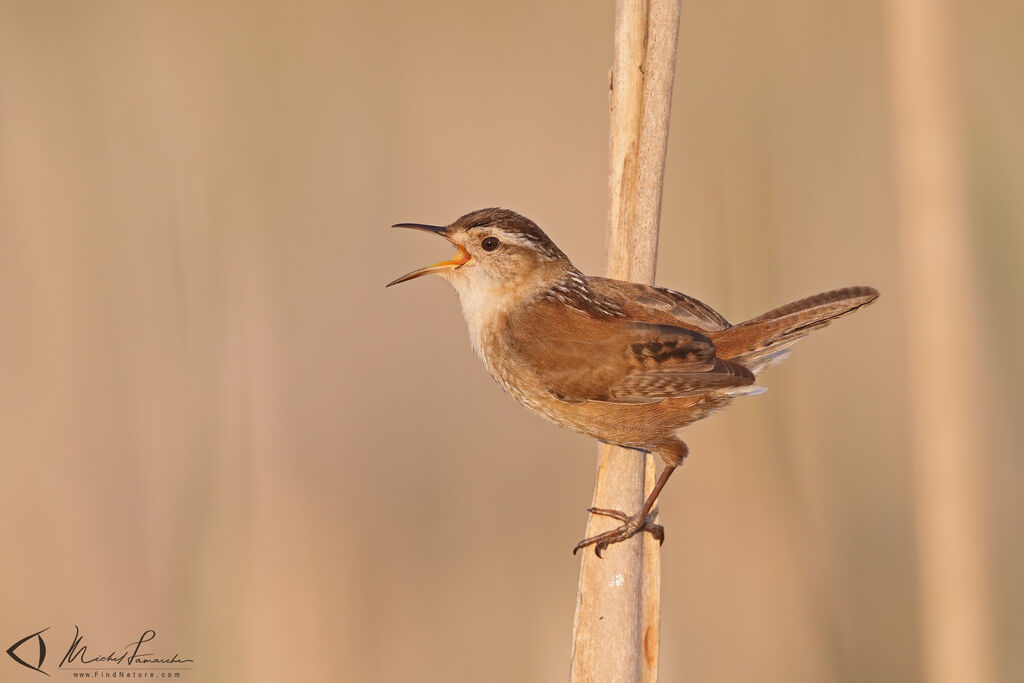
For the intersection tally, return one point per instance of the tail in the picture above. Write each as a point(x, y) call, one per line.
point(765, 340)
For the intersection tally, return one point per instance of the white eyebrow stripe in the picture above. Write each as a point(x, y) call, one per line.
point(518, 239)
point(539, 243)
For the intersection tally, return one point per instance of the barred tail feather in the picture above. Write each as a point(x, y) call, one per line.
point(765, 340)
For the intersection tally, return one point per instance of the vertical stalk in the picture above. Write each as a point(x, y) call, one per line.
point(955, 607)
point(617, 626)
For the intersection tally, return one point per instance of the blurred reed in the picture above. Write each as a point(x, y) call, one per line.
point(941, 302)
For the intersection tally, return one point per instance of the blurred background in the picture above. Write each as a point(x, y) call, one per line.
point(215, 421)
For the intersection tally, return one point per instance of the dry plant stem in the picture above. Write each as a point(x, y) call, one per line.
point(955, 604)
point(616, 630)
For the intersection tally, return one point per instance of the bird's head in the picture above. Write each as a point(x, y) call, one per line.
point(500, 255)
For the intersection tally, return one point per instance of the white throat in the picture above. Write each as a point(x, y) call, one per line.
point(485, 303)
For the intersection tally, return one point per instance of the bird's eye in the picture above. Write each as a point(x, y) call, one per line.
point(490, 243)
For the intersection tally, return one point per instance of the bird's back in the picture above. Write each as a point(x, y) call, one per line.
point(754, 343)
point(657, 305)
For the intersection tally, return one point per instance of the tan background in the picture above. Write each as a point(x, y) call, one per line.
point(215, 422)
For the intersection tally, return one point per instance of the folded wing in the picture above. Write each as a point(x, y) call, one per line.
point(582, 357)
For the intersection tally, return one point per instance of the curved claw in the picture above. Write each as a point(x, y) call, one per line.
point(630, 527)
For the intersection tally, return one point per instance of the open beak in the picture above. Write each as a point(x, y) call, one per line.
point(460, 258)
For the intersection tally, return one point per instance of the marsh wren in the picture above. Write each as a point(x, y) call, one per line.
point(625, 363)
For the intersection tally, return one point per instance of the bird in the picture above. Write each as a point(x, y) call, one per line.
point(628, 364)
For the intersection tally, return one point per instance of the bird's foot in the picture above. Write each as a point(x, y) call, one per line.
point(631, 525)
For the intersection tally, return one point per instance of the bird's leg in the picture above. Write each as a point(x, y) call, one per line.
point(631, 525)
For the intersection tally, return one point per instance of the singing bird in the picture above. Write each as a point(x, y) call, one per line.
point(625, 363)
